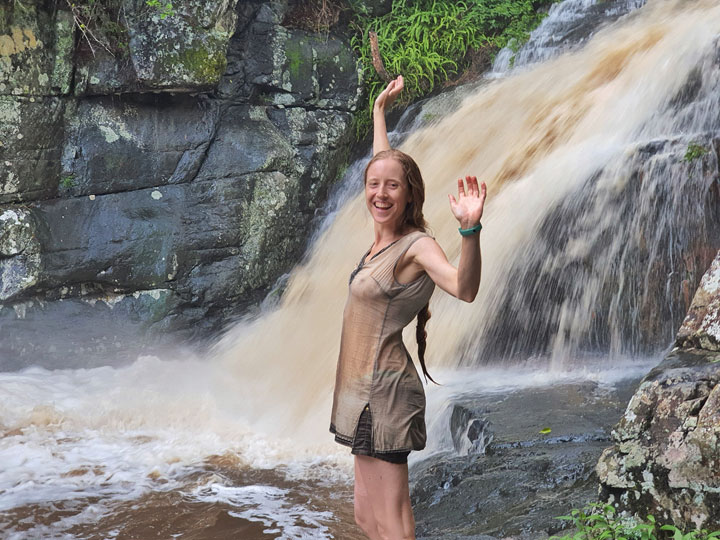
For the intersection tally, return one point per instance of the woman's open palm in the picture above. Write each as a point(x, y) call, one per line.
point(468, 207)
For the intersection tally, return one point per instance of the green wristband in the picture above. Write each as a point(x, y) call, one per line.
point(471, 230)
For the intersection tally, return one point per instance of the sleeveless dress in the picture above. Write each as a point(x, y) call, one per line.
point(374, 369)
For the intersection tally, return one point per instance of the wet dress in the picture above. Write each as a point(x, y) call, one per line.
point(375, 374)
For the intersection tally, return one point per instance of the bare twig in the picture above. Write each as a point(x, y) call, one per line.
point(376, 58)
point(86, 32)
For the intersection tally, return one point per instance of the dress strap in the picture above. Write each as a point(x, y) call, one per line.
point(407, 242)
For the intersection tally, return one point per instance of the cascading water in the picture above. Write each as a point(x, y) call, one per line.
point(568, 25)
point(592, 229)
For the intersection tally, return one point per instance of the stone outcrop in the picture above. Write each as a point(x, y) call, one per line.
point(164, 185)
point(508, 477)
point(666, 455)
point(701, 328)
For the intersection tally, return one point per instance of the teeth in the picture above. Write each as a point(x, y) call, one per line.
point(382, 206)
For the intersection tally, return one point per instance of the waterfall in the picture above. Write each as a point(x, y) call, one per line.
point(590, 200)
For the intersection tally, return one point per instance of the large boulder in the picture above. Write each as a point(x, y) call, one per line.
point(666, 453)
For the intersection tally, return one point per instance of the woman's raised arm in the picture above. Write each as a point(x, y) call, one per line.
point(382, 103)
point(462, 282)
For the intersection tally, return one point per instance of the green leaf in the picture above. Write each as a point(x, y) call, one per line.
point(545, 430)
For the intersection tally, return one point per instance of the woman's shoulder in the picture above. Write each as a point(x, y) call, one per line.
point(420, 241)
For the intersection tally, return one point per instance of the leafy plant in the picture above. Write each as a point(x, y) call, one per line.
point(67, 181)
point(695, 151)
point(165, 9)
point(600, 522)
point(430, 42)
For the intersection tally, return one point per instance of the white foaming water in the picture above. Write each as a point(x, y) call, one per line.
point(117, 434)
point(268, 505)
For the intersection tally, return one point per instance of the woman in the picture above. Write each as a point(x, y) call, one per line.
point(379, 402)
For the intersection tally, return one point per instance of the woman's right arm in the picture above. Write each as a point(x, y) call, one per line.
point(382, 103)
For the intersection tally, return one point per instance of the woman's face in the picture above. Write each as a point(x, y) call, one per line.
point(387, 192)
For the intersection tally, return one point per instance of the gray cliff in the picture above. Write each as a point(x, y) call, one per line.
point(155, 191)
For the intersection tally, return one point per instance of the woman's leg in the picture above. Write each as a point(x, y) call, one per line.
point(387, 493)
point(364, 514)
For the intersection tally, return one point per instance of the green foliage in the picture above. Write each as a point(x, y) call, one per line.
point(429, 41)
point(67, 181)
point(165, 9)
point(695, 151)
point(600, 522)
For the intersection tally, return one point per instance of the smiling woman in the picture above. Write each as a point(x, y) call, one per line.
point(386, 191)
point(379, 402)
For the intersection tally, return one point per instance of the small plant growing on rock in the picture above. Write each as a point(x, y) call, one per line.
point(695, 151)
point(165, 9)
point(67, 181)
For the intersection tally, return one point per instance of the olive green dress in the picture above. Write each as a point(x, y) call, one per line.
point(374, 368)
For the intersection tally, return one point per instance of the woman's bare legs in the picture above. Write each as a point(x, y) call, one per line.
point(382, 499)
point(364, 514)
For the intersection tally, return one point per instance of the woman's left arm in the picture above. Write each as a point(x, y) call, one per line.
point(462, 282)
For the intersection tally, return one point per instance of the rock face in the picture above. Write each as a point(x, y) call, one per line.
point(507, 479)
point(701, 328)
point(666, 455)
point(164, 185)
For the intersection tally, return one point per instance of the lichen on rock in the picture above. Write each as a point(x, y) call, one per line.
point(19, 253)
point(667, 445)
point(701, 327)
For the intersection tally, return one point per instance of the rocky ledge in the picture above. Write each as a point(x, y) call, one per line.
point(153, 192)
point(665, 460)
point(505, 476)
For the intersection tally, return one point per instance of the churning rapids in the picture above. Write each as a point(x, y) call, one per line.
point(235, 444)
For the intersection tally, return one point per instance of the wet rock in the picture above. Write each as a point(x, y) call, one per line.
point(664, 460)
point(119, 146)
point(95, 328)
point(181, 51)
point(470, 431)
point(31, 134)
point(191, 161)
point(526, 478)
point(665, 457)
point(35, 50)
point(701, 328)
point(19, 253)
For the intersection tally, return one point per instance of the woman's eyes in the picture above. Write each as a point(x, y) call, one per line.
point(392, 185)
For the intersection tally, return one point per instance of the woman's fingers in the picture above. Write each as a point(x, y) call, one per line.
point(461, 188)
point(399, 83)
